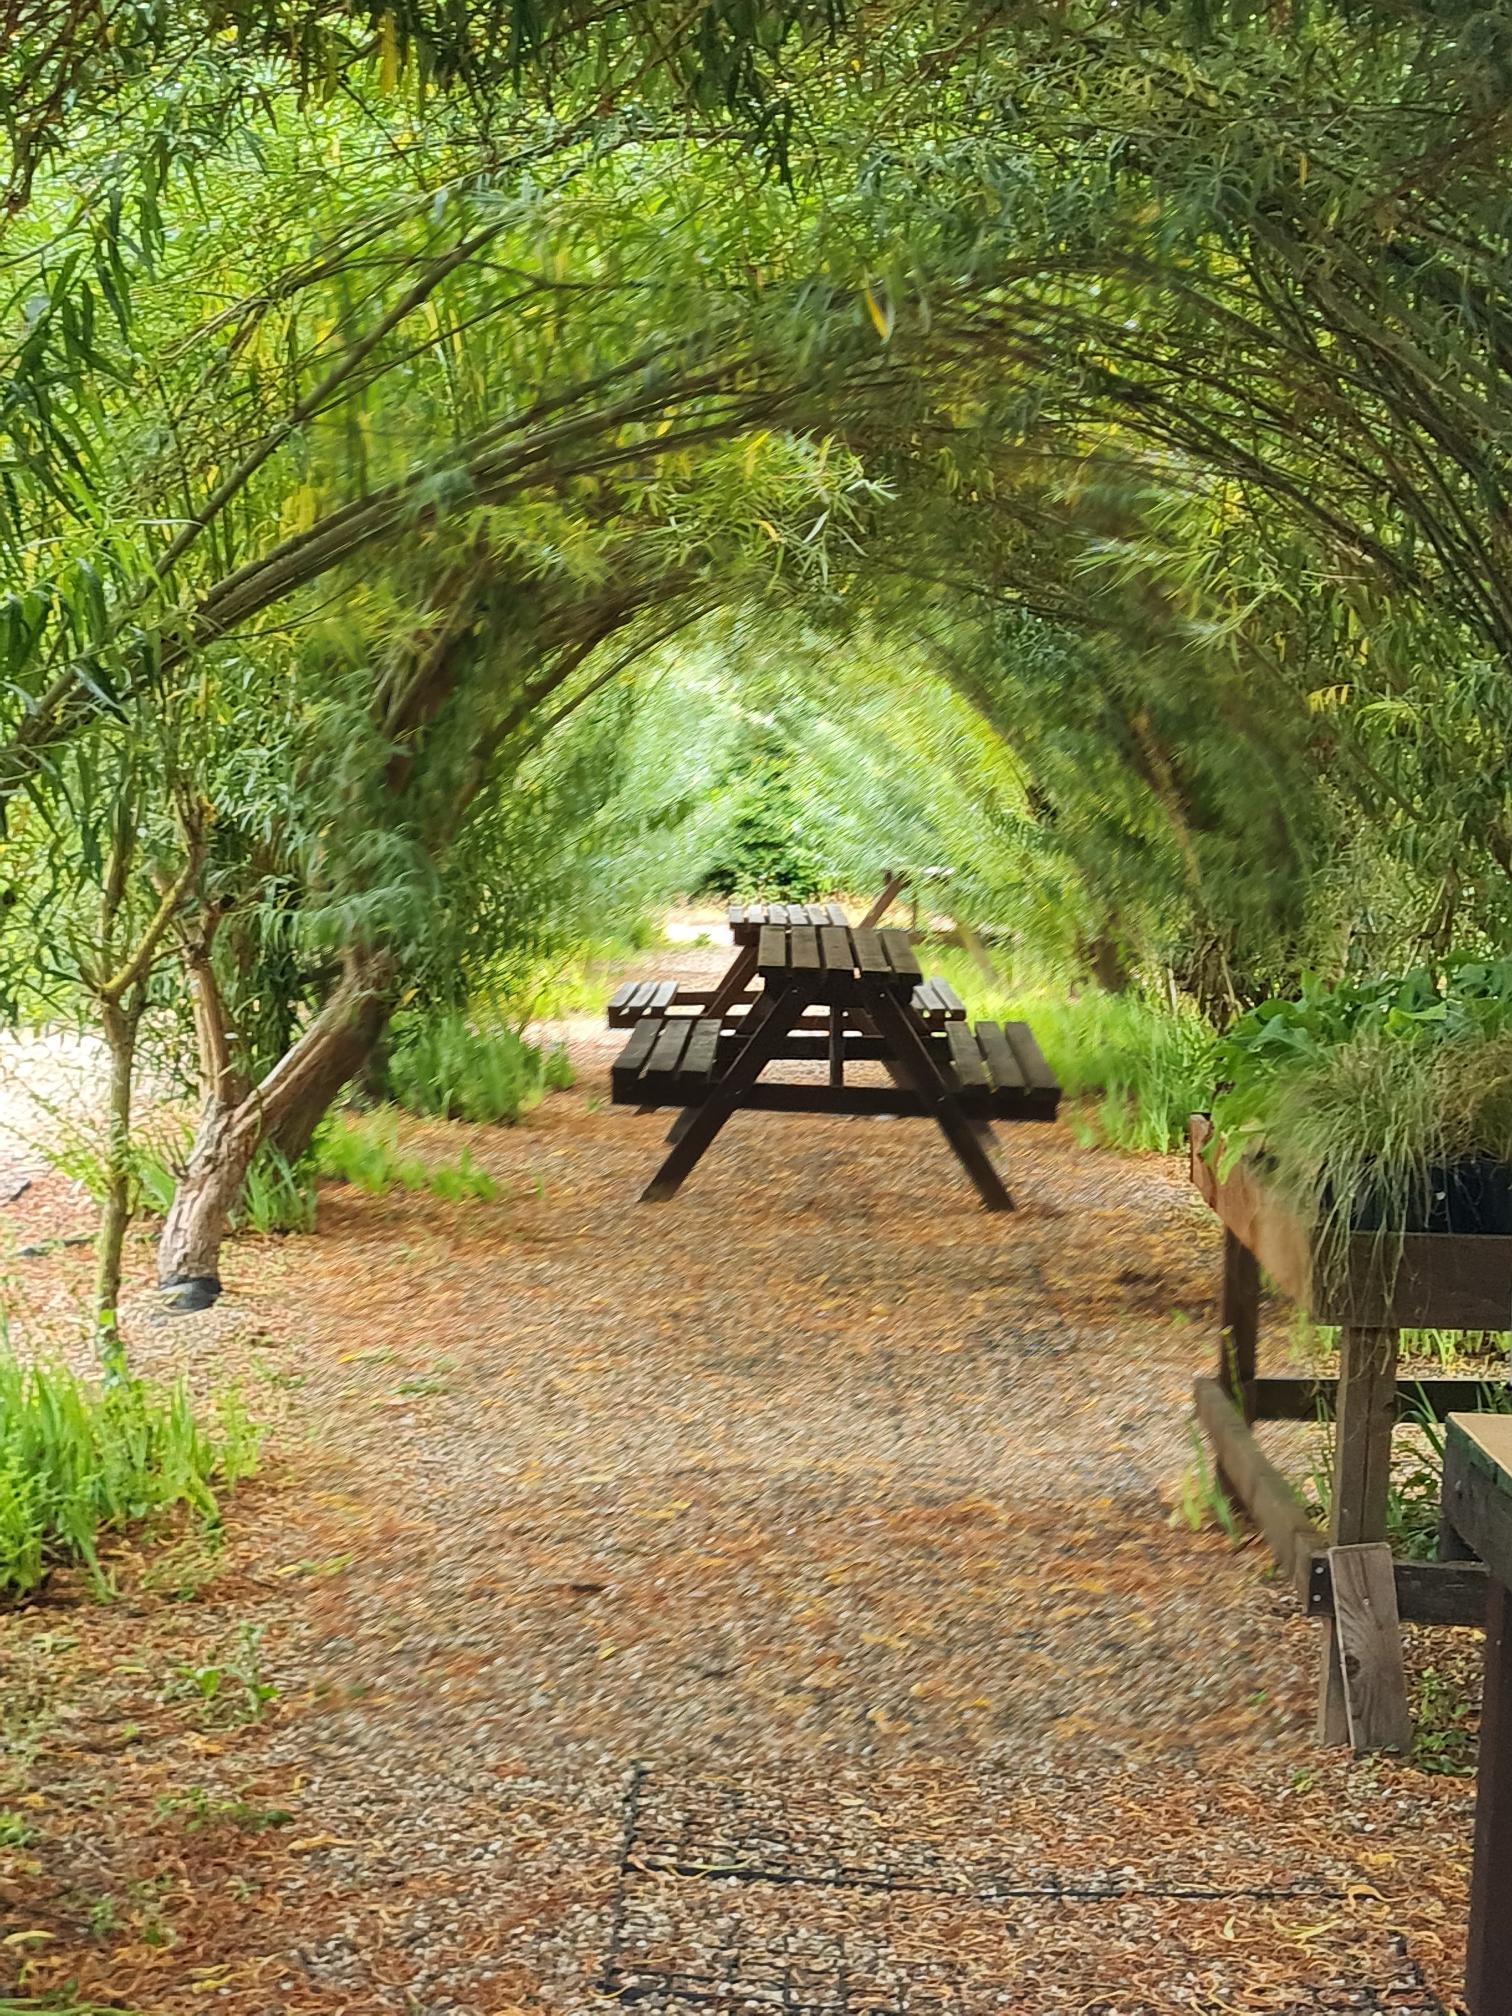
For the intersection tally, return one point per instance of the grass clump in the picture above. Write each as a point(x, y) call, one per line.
point(448, 1066)
point(363, 1150)
point(278, 1195)
point(79, 1460)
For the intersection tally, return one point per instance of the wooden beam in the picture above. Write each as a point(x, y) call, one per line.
point(892, 888)
point(1488, 1959)
point(1369, 1637)
point(1239, 1321)
point(1258, 1485)
point(1311, 1399)
point(1427, 1592)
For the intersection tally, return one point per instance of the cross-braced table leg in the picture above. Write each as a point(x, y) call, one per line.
point(761, 1008)
point(735, 981)
point(913, 1054)
point(750, 1061)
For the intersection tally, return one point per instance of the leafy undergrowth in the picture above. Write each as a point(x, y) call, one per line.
point(452, 1066)
point(78, 1460)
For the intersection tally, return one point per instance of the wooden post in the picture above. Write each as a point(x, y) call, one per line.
point(1362, 1474)
point(1239, 1316)
point(837, 1044)
point(1369, 1636)
point(1488, 1963)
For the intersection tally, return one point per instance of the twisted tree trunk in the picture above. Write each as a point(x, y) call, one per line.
point(286, 1107)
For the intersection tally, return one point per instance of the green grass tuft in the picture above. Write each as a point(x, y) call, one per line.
point(449, 1066)
point(78, 1460)
point(363, 1150)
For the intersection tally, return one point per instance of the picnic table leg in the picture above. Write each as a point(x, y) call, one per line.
point(1366, 1411)
point(761, 1008)
point(734, 983)
point(917, 1061)
point(837, 1045)
point(756, 1052)
point(1488, 1961)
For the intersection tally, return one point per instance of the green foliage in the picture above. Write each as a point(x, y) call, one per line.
point(1444, 1708)
point(156, 1157)
point(1415, 1493)
point(230, 1688)
point(78, 1461)
point(277, 1196)
point(1202, 1502)
point(1360, 1095)
point(448, 1064)
point(363, 1150)
point(763, 855)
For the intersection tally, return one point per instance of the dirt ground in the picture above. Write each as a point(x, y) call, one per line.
point(769, 1601)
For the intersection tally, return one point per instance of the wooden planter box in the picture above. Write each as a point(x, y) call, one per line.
point(1401, 1281)
point(1384, 1283)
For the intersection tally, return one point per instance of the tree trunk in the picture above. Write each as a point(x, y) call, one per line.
point(285, 1108)
point(120, 1027)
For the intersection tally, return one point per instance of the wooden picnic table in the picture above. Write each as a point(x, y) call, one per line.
point(1477, 1519)
point(830, 991)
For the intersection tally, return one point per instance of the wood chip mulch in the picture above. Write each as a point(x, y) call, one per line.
point(764, 1602)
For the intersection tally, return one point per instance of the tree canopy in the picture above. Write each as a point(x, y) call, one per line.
point(1109, 406)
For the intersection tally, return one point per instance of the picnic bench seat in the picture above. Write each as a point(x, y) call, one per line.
point(996, 1068)
point(638, 998)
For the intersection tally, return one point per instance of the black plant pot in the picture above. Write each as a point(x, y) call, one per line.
point(1474, 1195)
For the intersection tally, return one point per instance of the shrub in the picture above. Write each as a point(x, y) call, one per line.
point(77, 1459)
point(446, 1065)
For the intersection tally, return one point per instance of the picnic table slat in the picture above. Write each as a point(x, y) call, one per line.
point(901, 954)
point(925, 1001)
point(699, 1058)
point(670, 1043)
point(641, 998)
point(964, 1055)
point(664, 995)
point(627, 1067)
point(803, 948)
point(870, 957)
point(771, 949)
point(835, 948)
point(1037, 1073)
point(621, 994)
point(1007, 1072)
point(948, 998)
point(833, 914)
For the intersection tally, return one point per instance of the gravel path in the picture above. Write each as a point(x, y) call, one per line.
point(766, 1602)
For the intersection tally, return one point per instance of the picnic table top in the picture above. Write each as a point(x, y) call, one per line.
point(1486, 1441)
point(749, 915)
point(849, 954)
